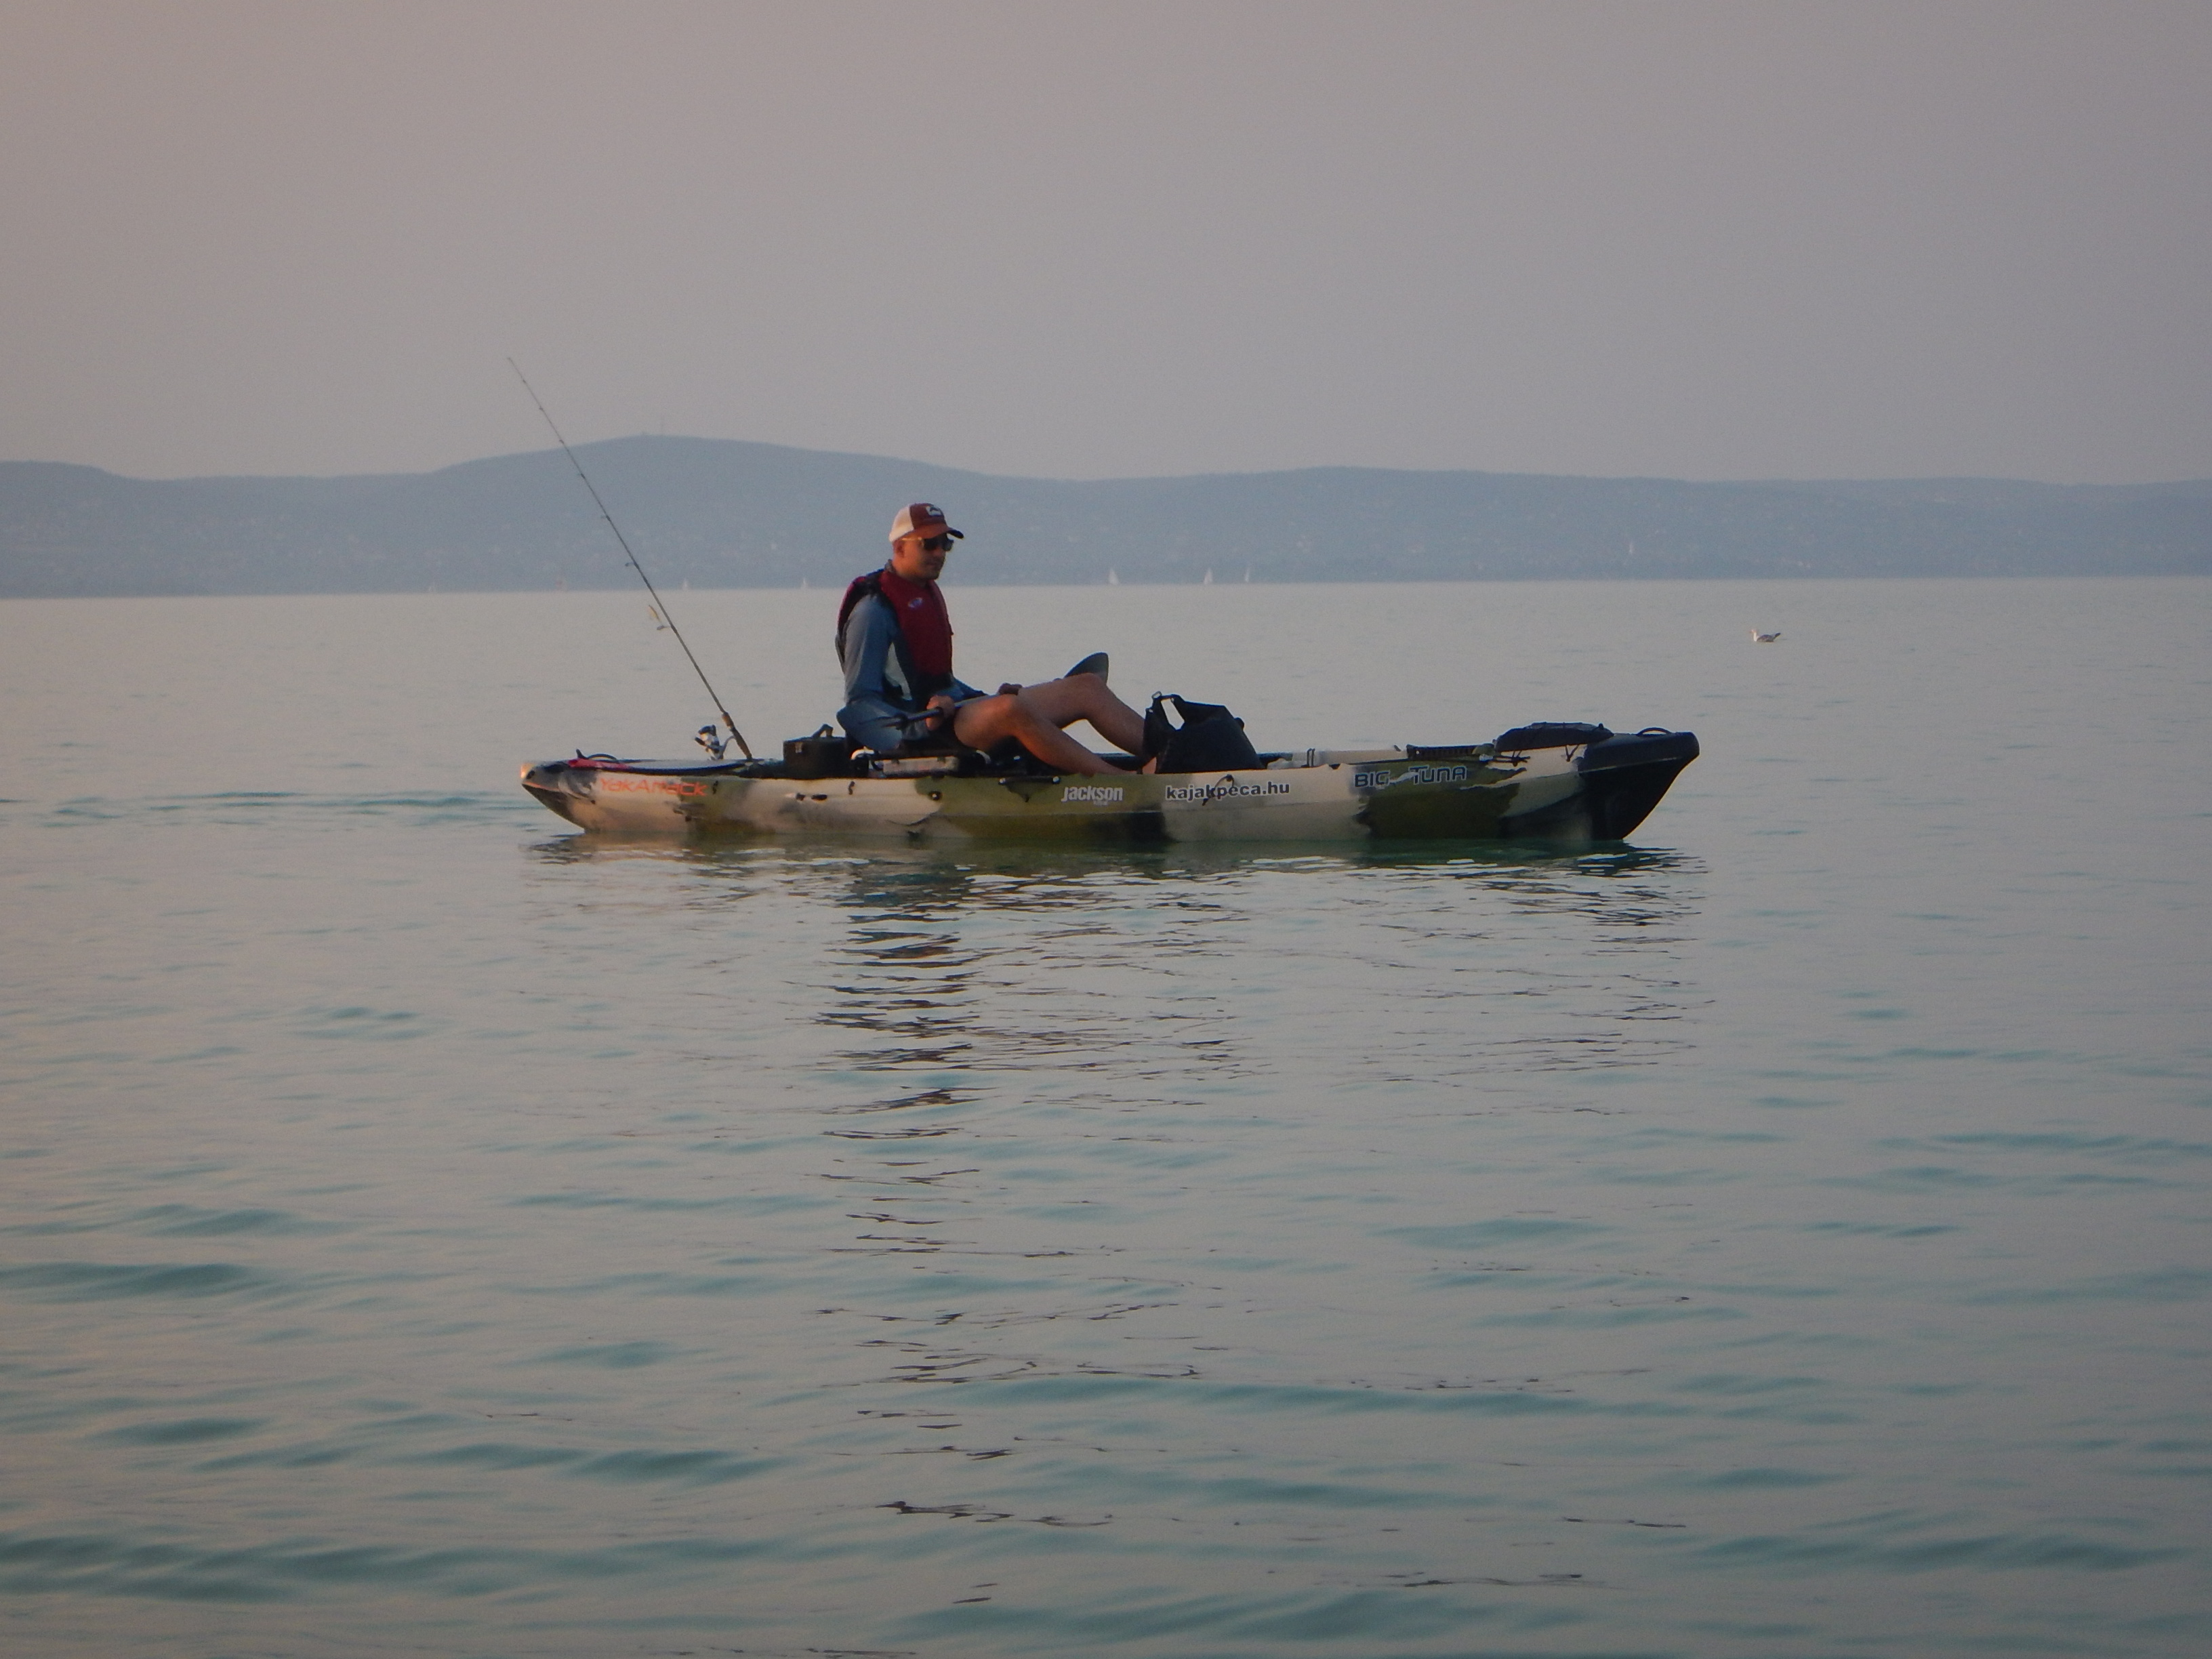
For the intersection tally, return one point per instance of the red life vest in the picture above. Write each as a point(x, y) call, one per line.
point(924, 626)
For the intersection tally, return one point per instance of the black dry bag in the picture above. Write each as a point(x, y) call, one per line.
point(1210, 738)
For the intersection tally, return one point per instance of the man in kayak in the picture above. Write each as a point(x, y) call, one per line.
point(895, 638)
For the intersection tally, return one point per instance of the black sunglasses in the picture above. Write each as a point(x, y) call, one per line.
point(937, 543)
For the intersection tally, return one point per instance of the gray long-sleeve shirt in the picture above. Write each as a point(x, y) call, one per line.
point(879, 703)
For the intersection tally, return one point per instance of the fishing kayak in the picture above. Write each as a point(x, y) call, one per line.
point(1552, 781)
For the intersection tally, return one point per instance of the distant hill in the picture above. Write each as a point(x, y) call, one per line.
point(723, 515)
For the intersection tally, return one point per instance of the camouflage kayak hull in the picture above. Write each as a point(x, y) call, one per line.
point(1598, 790)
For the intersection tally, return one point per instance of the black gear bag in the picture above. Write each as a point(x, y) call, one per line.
point(1210, 738)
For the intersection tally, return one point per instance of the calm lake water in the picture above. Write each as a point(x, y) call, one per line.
point(425, 1231)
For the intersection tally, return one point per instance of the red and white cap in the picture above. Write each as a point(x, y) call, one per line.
point(922, 518)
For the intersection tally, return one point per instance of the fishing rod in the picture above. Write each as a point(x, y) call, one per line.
point(661, 611)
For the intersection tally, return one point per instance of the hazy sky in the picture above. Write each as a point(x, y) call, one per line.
point(1689, 239)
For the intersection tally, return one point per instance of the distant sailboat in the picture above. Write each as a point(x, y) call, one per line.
point(802, 584)
point(1248, 573)
point(1112, 581)
point(1208, 582)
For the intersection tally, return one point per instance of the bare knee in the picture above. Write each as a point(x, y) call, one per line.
point(1061, 702)
point(983, 720)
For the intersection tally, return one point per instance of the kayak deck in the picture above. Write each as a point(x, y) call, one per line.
point(1563, 783)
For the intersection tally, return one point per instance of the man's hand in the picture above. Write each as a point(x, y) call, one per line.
point(1010, 689)
point(940, 714)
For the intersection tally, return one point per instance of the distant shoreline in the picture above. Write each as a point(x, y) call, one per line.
point(722, 515)
point(633, 591)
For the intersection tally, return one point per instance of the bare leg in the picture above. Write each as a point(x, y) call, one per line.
point(1034, 716)
point(1085, 697)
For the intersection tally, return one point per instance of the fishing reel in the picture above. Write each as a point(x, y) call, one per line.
point(713, 744)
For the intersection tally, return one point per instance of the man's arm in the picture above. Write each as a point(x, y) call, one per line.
point(871, 716)
point(867, 638)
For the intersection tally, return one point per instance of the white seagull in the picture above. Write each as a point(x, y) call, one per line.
point(1758, 638)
